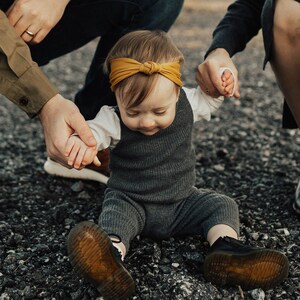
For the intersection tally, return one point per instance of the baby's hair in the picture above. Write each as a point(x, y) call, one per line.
point(142, 46)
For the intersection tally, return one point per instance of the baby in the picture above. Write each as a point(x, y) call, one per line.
point(150, 191)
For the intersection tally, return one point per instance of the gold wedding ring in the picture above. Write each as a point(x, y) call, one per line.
point(29, 33)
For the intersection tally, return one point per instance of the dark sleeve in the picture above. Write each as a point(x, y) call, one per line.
point(239, 25)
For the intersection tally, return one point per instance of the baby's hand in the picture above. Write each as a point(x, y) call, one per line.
point(228, 83)
point(79, 154)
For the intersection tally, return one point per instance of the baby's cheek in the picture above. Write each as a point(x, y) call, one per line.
point(130, 123)
point(168, 121)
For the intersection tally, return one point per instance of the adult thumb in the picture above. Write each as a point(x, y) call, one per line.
point(80, 126)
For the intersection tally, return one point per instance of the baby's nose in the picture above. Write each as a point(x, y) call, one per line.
point(147, 122)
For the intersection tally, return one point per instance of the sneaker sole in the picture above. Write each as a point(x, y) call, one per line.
point(259, 269)
point(91, 253)
point(56, 169)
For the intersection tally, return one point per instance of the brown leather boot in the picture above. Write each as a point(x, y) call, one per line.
point(231, 263)
point(93, 256)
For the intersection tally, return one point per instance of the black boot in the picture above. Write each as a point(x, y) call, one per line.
point(231, 263)
point(93, 256)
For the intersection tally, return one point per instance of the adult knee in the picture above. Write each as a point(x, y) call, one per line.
point(288, 28)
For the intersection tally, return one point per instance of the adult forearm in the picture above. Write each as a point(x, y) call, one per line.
point(240, 24)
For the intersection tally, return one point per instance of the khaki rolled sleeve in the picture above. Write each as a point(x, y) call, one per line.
point(21, 80)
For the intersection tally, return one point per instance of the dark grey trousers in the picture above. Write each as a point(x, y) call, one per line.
point(195, 215)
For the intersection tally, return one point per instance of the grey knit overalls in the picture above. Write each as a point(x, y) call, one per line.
point(151, 186)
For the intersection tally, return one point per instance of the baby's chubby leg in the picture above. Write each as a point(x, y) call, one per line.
point(220, 230)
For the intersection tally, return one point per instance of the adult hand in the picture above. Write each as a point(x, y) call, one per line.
point(33, 19)
point(60, 118)
point(208, 75)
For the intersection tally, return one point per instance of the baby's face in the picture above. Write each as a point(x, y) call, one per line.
point(156, 112)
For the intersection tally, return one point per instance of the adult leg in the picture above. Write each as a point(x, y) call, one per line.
point(285, 59)
point(82, 21)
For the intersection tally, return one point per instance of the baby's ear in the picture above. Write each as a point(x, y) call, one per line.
point(177, 92)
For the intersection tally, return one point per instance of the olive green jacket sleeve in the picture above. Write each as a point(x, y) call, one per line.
point(21, 80)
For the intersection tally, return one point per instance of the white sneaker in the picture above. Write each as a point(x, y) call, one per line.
point(56, 169)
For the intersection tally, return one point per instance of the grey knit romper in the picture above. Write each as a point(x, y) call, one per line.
point(151, 186)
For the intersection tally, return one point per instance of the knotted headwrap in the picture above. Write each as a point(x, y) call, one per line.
point(122, 68)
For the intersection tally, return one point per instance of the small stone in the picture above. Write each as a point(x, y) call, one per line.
point(219, 168)
point(77, 186)
point(258, 294)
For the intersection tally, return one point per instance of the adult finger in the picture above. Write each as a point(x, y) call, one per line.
point(215, 81)
point(13, 14)
point(77, 122)
point(39, 36)
point(209, 78)
point(202, 78)
point(27, 36)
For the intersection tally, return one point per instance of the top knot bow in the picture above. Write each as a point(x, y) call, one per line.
point(122, 68)
point(150, 67)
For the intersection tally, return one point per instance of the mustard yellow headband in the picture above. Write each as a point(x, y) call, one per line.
point(122, 68)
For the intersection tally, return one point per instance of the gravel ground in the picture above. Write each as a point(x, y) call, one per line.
point(242, 152)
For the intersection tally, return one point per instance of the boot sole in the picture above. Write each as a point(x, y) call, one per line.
point(91, 253)
point(258, 269)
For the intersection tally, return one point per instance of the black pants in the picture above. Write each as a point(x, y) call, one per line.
point(85, 20)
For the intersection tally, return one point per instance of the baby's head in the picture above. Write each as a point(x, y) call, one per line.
point(144, 69)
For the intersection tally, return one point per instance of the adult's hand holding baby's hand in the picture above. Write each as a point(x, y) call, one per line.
point(208, 75)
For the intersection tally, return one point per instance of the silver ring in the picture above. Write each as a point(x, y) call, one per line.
point(30, 33)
